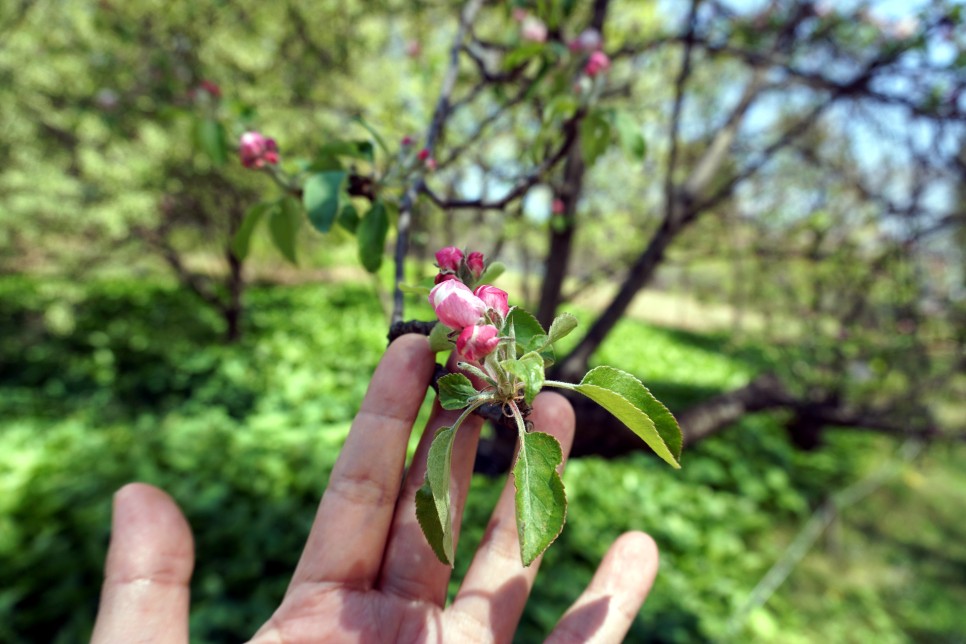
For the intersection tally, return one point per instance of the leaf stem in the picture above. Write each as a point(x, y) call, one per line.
point(560, 384)
point(518, 417)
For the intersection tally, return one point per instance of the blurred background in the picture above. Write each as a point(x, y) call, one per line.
point(755, 207)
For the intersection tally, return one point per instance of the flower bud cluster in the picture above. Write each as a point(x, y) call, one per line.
point(476, 315)
point(256, 150)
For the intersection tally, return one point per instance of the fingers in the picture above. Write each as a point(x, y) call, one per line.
point(496, 585)
point(411, 569)
point(605, 611)
point(349, 533)
point(149, 563)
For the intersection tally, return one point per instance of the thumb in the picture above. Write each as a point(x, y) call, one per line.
point(149, 563)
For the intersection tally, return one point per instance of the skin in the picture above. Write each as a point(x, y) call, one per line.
point(382, 583)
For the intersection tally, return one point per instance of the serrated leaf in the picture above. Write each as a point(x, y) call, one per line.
point(525, 328)
point(529, 369)
point(439, 339)
point(283, 224)
point(439, 533)
point(241, 242)
point(371, 234)
point(320, 195)
point(629, 135)
point(594, 137)
point(455, 391)
point(212, 140)
point(562, 325)
point(428, 518)
point(541, 504)
point(629, 401)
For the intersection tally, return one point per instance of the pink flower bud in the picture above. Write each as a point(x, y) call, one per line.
point(533, 29)
point(588, 40)
point(449, 258)
point(557, 207)
point(255, 150)
point(407, 140)
point(423, 154)
point(476, 263)
point(210, 87)
point(519, 14)
point(442, 277)
point(476, 342)
point(494, 298)
point(597, 63)
point(455, 304)
point(430, 164)
point(414, 48)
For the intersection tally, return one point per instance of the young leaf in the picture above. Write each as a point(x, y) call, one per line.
point(493, 271)
point(529, 369)
point(476, 371)
point(455, 391)
point(428, 519)
point(629, 135)
point(594, 137)
point(212, 141)
point(320, 195)
point(283, 224)
point(372, 236)
point(241, 242)
point(541, 504)
point(348, 217)
point(525, 330)
point(625, 397)
point(439, 339)
point(562, 325)
point(439, 533)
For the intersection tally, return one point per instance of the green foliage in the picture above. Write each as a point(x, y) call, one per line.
point(105, 383)
point(628, 399)
point(283, 223)
point(455, 391)
point(433, 498)
point(322, 195)
point(540, 500)
point(372, 233)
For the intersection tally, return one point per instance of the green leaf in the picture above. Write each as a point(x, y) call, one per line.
point(541, 503)
point(211, 139)
point(283, 224)
point(436, 520)
point(629, 135)
point(526, 329)
point(320, 195)
point(439, 339)
point(363, 150)
point(476, 371)
point(493, 271)
point(562, 106)
point(455, 391)
point(348, 218)
point(522, 54)
point(372, 236)
point(562, 325)
point(371, 130)
point(594, 137)
point(241, 242)
point(628, 399)
point(529, 369)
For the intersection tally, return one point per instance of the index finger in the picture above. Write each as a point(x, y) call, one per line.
point(352, 523)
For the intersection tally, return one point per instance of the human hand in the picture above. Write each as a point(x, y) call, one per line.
point(367, 573)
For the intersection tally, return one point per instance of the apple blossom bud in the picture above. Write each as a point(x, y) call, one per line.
point(455, 304)
point(557, 207)
point(476, 263)
point(255, 150)
point(449, 258)
point(519, 14)
point(414, 48)
point(442, 277)
point(407, 140)
point(430, 164)
point(597, 63)
point(494, 298)
point(423, 154)
point(588, 40)
point(476, 342)
point(533, 29)
point(210, 87)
